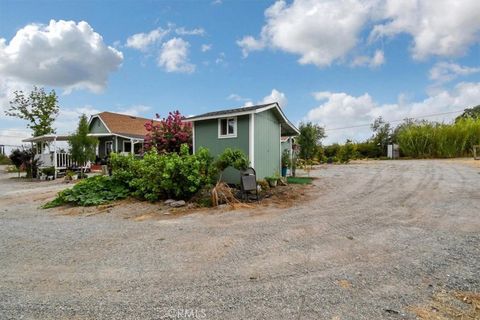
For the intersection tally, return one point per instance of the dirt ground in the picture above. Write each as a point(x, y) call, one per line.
point(373, 240)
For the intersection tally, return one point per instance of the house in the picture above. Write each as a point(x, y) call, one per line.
point(115, 132)
point(255, 130)
point(118, 133)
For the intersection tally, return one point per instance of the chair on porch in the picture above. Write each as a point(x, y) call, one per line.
point(248, 182)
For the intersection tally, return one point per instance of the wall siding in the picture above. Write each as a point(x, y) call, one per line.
point(206, 135)
point(96, 126)
point(267, 144)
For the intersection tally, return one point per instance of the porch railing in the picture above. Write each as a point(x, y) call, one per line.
point(64, 160)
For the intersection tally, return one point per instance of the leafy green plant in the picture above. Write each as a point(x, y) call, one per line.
point(347, 152)
point(82, 146)
point(159, 176)
point(286, 162)
point(231, 158)
point(90, 192)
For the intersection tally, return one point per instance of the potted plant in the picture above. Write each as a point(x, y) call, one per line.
point(272, 181)
point(286, 162)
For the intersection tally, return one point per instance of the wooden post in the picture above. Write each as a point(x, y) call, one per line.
point(55, 156)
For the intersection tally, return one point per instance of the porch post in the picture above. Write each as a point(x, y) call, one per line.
point(55, 157)
point(131, 146)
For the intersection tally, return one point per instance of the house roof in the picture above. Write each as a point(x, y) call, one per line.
point(288, 129)
point(124, 125)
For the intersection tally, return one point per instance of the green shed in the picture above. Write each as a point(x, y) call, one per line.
point(255, 130)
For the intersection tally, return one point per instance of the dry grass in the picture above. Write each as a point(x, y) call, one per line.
point(450, 305)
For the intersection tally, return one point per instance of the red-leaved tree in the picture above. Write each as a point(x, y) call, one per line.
point(168, 134)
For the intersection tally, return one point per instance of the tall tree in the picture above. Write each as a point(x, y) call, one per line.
point(473, 113)
point(38, 108)
point(82, 146)
point(310, 139)
point(382, 135)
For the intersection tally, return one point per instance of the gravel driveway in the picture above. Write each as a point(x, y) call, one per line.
point(377, 238)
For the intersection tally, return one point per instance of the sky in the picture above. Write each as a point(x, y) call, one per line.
point(340, 63)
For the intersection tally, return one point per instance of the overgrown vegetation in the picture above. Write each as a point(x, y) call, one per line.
point(160, 176)
point(25, 159)
point(156, 176)
point(168, 134)
point(437, 140)
point(90, 192)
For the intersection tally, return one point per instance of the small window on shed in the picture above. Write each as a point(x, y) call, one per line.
point(227, 127)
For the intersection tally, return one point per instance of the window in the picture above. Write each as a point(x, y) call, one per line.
point(227, 128)
point(127, 146)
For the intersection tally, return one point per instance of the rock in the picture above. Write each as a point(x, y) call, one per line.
point(176, 204)
point(167, 202)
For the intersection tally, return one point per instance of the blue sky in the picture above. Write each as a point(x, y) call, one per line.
point(337, 63)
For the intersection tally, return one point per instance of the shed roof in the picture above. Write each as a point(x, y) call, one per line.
point(288, 129)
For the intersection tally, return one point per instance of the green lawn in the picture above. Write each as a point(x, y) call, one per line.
point(299, 180)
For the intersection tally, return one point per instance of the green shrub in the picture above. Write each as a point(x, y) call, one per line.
point(90, 192)
point(48, 171)
point(368, 149)
point(331, 150)
point(160, 176)
point(347, 152)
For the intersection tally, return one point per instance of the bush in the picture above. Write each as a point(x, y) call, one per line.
point(331, 150)
point(347, 152)
point(368, 150)
point(90, 192)
point(160, 176)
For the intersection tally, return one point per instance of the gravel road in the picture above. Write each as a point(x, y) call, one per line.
point(377, 238)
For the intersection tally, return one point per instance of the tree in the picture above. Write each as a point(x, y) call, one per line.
point(82, 146)
point(381, 135)
point(310, 139)
point(472, 113)
point(17, 159)
point(168, 134)
point(38, 108)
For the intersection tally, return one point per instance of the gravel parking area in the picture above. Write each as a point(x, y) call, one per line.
point(377, 238)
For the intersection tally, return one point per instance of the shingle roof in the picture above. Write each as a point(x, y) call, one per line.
point(124, 124)
point(229, 111)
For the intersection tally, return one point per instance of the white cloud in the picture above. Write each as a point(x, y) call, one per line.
point(339, 110)
point(322, 32)
point(173, 56)
point(441, 27)
point(216, 2)
point(376, 60)
point(221, 59)
point(276, 96)
point(61, 54)
point(142, 41)
point(443, 72)
point(182, 31)
point(206, 47)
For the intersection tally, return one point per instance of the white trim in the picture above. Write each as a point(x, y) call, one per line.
point(116, 144)
point(236, 114)
point(114, 134)
point(251, 140)
point(193, 137)
point(98, 116)
point(280, 146)
point(228, 135)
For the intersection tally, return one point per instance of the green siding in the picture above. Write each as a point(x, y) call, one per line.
point(206, 135)
point(267, 144)
point(96, 126)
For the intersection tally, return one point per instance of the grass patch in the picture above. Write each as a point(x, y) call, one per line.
point(299, 180)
